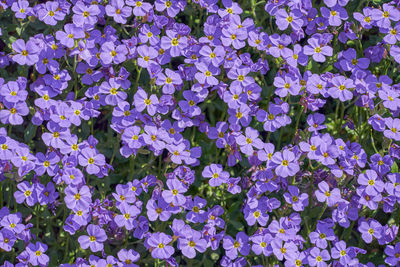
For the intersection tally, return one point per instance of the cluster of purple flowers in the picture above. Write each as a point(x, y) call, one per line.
point(81, 72)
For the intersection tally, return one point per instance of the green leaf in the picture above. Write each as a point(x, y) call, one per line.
point(395, 168)
point(30, 132)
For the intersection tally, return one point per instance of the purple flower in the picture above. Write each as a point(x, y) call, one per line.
point(318, 257)
point(12, 222)
point(169, 81)
point(335, 15)
point(192, 242)
point(118, 11)
point(339, 89)
point(343, 254)
point(90, 159)
point(350, 62)
point(370, 229)
point(294, 19)
point(110, 53)
point(50, 13)
point(95, 238)
point(393, 254)
point(127, 217)
point(26, 193)
point(169, 5)
point(69, 35)
point(85, 15)
point(261, 244)
point(175, 193)
point(370, 182)
point(206, 74)
point(7, 239)
point(249, 140)
point(142, 101)
point(325, 194)
point(315, 121)
point(173, 43)
point(286, 163)
point(317, 50)
point(26, 53)
point(159, 242)
point(140, 8)
point(216, 173)
point(322, 235)
point(36, 254)
point(21, 9)
point(14, 113)
point(297, 200)
point(384, 17)
point(77, 198)
point(235, 246)
point(393, 131)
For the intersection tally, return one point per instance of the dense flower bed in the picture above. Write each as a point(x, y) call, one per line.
point(199, 133)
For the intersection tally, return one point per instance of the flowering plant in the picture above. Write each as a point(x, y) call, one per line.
point(199, 133)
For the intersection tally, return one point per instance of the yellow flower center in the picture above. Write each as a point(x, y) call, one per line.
point(77, 196)
point(285, 162)
point(386, 14)
point(91, 160)
point(113, 91)
point(174, 42)
point(92, 238)
point(317, 50)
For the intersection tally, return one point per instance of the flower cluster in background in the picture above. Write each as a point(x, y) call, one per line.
point(199, 133)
